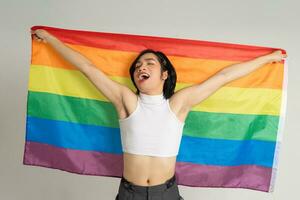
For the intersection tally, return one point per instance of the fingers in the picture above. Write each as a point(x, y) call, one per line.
point(284, 55)
point(33, 34)
point(280, 52)
point(36, 37)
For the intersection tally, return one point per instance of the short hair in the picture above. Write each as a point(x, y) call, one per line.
point(170, 82)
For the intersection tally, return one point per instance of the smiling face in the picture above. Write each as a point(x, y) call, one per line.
point(148, 76)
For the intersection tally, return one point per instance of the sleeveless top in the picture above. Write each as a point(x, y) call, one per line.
point(152, 129)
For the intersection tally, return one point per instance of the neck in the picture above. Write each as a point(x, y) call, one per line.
point(153, 93)
point(152, 99)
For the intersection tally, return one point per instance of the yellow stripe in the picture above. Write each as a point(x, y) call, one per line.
point(225, 100)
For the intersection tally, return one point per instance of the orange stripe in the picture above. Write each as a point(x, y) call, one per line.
point(117, 63)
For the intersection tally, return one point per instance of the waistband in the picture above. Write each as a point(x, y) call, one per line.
point(150, 189)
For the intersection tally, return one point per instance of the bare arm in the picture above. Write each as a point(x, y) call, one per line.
point(238, 70)
point(194, 94)
point(72, 56)
point(110, 89)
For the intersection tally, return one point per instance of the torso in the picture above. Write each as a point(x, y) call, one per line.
point(146, 170)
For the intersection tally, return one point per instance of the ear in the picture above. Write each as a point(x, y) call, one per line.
point(165, 75)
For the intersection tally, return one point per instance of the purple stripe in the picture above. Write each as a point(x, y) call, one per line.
point(246, 176)
point(106, 164)
point(75, 161)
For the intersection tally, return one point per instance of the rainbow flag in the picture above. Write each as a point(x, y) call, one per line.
point(230, 139)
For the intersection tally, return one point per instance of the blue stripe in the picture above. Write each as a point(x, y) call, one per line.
point(226, 152)
point(106, 139)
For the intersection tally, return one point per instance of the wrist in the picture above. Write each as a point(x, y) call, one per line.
point(47, 36)
point(266, 59)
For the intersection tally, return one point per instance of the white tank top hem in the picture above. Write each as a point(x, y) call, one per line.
point(152, 128)
point(150, 154)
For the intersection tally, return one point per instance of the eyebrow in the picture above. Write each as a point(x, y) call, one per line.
point(147, 60)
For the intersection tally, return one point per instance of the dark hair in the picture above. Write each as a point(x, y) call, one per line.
point(170, 82)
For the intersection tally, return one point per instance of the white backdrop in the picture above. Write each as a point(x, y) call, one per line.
point(272, 23)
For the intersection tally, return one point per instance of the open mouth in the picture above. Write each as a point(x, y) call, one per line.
point(144, 76)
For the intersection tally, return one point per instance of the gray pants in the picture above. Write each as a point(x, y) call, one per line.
point(166, 191)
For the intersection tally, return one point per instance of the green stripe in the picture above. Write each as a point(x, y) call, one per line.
point(197, 124)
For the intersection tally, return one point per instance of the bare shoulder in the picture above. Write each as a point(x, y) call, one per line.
point(128, 103)
point(178, 105)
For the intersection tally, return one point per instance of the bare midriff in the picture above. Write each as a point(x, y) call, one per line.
point(145, 170)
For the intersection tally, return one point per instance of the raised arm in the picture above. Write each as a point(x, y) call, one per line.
point(109, 88)
point(193, 95)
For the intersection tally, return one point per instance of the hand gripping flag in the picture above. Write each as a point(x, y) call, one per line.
point(231, 139)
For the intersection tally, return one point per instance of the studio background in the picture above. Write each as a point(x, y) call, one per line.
point(270, 23)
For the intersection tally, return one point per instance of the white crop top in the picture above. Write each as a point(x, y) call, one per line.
point(152, 129)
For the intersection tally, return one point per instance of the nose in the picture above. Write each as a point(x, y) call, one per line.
point(141, 67)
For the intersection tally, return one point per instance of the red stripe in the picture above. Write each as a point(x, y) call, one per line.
point(170, 46)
